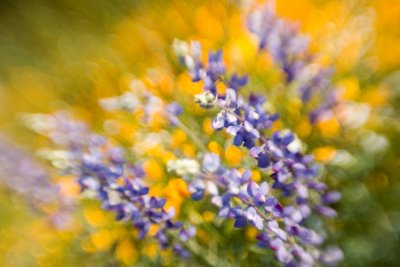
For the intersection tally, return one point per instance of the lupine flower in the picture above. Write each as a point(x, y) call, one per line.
point(294, 244)
point(290, 50)
point(16, 166)
point(103, 172)
point(28, 178)
point(293, 173)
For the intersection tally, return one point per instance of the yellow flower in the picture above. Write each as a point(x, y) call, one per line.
point(233, 155)
point(207, 128)
point(208, 25)
point(151, 250)
point(94, 216)
point(189, 150)
point(376, 96)
point(156, 190)
point(126, 252)
point(153, 170)
point(324, 154)
point(221, 88)
point(69, 187)
point(251, 233)
point(303, 128)
point(167, 156)
point(214, 147)
point(350, 87)
point(178, 138)
point(186, 85)
point(156, 121)
point(329, 127)
point(102, 240)
point(153, 229)
point(175, 192)
point(208, 216)
point(255, 176)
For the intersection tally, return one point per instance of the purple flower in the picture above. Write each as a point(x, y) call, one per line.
point(102, 169)
point(236, 82)
point(290, 50)
point(292, 174)
point(22, 174)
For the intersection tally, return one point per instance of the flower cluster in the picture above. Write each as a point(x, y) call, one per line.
point(247, 202)
point(103, 172)
point(295, 175)
point(290, 50)
point(21, 173)
point(15, 165)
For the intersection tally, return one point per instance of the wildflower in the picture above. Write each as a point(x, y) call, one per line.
point(102, 169)
point(31, 180)
point(183, 167)
point(292, 173)
point(290, 50)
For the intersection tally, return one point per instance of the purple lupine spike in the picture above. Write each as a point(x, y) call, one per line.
point(290, 50)
point(293, 174)
point(103, 170)
point(22, 174)
point(254, 196)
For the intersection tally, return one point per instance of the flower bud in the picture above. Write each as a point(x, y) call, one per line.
point(205, 100)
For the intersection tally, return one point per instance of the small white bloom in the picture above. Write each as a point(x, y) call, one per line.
point(184, 167)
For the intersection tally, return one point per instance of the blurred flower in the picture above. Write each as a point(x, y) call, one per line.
point(28, 178)
point(103, 172)
point(294, 174)
point(290, 50)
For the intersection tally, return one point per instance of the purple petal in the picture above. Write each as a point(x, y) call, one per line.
point(245, 176)
point(250, 213)
point(211, 162)
point(258, 222)
point(264, 188)
point(233, 130)
point(276, 244)
point(270, 202)
point(223, 213)
point(252, 188)
point(256, 151)
point(240, 222)
point(243, 195)
point(263, 161)
point(283, 255)
point(230, 95)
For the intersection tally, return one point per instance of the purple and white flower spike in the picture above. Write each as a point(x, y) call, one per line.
point(293, 174)
point(103, 172)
